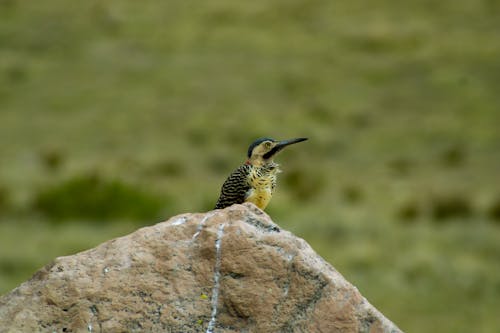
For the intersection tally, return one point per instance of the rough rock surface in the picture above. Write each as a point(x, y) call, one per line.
point(230, 270)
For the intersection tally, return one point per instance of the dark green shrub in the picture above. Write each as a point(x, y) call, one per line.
point(401, 166)
point(360, 120)
point(168, 168)
point(16, 73)
point(494, 211)
point(52, 159)
point(352, 193)
point(4, 198)
point(453, 156)
point(91, 197)
point(444, 207)
point(409, 212)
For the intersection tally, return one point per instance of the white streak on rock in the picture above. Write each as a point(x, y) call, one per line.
point(179, 221)
point(215, 290)
point(201, 225)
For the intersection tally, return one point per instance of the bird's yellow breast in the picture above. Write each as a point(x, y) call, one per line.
point(259, 197)
point(262, 187)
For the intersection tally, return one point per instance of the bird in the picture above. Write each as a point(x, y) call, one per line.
point(255, 180)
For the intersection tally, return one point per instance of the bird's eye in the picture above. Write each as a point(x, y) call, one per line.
point(268, 144)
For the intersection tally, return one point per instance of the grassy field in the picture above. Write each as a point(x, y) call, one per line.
point(121, 114)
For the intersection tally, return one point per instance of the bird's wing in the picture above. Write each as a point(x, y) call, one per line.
point(235, 188)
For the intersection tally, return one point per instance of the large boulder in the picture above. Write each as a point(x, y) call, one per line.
point(230, 270)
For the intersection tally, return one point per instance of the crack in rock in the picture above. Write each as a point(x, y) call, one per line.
point(261, 225)
point(303, 308)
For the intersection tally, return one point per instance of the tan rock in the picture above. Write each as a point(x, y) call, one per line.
point(230, 270)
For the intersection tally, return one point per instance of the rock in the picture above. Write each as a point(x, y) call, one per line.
point(230, 270)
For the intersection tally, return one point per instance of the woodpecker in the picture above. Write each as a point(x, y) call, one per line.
point(255, 180)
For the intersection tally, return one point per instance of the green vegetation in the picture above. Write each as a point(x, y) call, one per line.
point(397, 187)
point(93, 198)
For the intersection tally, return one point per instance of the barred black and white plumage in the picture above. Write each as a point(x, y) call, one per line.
point(255, 181)
point(235, 188)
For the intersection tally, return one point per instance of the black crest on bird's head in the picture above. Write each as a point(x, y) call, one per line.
point(256, 143)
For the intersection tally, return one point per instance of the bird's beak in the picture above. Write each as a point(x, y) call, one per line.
point(280, 145)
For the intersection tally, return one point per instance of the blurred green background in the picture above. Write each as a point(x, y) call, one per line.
point(119, 114)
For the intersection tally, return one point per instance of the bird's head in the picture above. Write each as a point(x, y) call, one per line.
point(262, 151)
